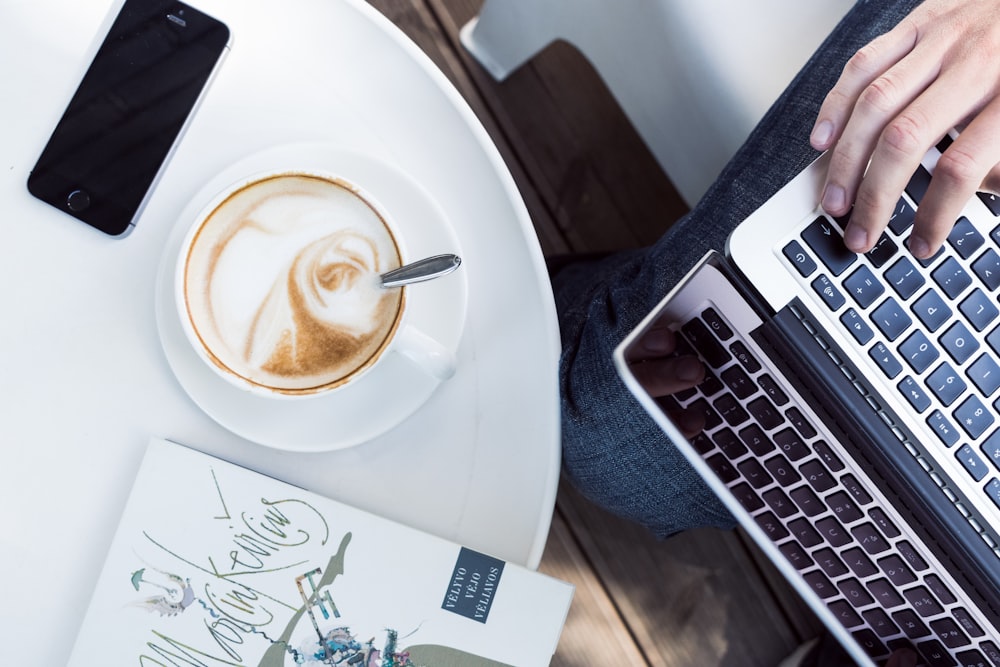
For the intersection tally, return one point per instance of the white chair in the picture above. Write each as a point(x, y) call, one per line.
point(693, 76)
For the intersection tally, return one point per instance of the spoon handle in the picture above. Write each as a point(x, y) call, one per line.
point(421, 270)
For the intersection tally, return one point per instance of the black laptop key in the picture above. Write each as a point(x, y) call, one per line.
point(863, 286)
point(971, 658)
point(780, 503)
point(700, 336)
point(959, 342)
point(935, 654)
point(985, 374)
point(772, 526)
point(949, 632)
point(797, 556)
point(979, 310)
point(801, 424)
point(991, 201)
point(870, 642)
point(902, 217)
point(883, 522)
point(723, 469)
point(730, 410)
point(717, 324)
point(923, 602)
point(967, 623)
point(831, 564)
point(904, 278)
point(702, 444)
point(992, 489)
point(992, 652)
point(951, 277)
point(844, 507)
point(818, 477)
point(828, 244)
point(965, 238)
point(730, 445)
point(899, 573)
point(932, 310)
point(883, 251)
point(857, 327)
point(826, 454)
point(910, 555)
point(856, 490)
point(855, 592)
point(791, 444)
point(771, 388)
point(973, 417)
point(919, 182)
point(987, 269)
point(885, 593)
point(946, 384)
point(880, 622)
point(943, 428)
point(820, 584)
point(869, 538)
point(747, 497)
point(758, 441)
point(765, 414)
point(918, 351)
point(711, 385)
point(754, 472)
point(911, 624)
point(744, 356)
point(939, 589)
point(891, 319)
point(914, 393)
point(845, 613)
point(807, 501)
point(712, 418)
point(833, 532)
point(805, 533)
point(859, 563)
point(797, 255)
point(782, 471)
point(828, 292)
point(739, 382)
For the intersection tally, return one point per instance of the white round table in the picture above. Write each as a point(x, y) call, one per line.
point(85, 382)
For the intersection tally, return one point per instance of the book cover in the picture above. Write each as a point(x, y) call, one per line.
point(213, 564)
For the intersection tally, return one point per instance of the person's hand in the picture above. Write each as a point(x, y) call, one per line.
point(897, 97)
point(662, 373)
point(903, 657)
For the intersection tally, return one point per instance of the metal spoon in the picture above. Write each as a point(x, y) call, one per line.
point(420, 270)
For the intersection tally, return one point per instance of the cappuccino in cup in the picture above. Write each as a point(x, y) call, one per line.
point(277, 284)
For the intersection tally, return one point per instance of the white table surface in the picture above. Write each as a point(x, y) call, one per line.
point(84, 381)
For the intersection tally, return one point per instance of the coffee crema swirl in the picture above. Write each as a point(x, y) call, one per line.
point(281, 283)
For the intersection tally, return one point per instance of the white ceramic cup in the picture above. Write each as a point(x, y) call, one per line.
point(277, 288)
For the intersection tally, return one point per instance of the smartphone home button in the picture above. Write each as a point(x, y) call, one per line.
point(77, 201)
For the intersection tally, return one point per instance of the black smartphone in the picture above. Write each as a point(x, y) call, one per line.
point(105, 154)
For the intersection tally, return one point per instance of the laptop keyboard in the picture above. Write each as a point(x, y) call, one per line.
point(807, 498)
point(932, 329)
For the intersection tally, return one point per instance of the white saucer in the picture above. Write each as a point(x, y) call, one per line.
point(377, 401)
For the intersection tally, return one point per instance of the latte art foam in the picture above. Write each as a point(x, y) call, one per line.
point(281, 283)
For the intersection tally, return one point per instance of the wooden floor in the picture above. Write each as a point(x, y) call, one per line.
point(703, 598)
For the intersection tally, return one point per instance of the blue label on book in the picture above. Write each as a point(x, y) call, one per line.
point(473, 585)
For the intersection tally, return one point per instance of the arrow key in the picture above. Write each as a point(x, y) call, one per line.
point(826, 241)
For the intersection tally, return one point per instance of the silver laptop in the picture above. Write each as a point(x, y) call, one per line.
point(852, 410)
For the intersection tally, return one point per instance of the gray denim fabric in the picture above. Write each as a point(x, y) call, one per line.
point(613, 452)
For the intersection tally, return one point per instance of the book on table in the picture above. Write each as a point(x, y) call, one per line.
point(214, 564)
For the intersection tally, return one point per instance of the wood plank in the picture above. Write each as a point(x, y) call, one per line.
point(694, 599)
point(594, 633)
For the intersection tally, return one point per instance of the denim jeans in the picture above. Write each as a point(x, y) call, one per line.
point(613, 452)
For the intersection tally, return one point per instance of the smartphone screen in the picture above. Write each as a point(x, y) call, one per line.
point(120, 126)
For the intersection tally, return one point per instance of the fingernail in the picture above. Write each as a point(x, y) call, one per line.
point(821, 134)
point(689, 369)
point(856, 238)
point(834, 200)
point(919, 247)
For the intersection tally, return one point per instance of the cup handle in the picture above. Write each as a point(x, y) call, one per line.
point(431, 356)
